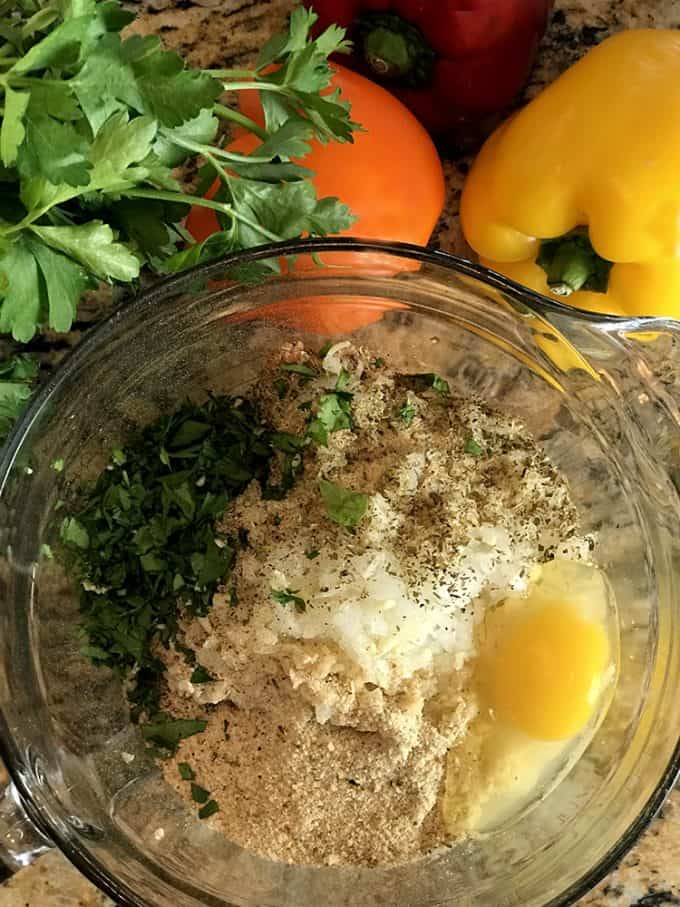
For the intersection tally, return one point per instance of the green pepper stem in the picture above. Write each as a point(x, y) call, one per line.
point(387, 53)
point(571, 264)
point(394, 49)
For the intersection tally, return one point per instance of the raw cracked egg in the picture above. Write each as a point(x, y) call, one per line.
point(545, 658)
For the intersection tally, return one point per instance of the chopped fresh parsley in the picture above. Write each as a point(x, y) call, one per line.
point(186, 772)
point(343, 380)
point(289, 597)
point(312, 553)
point(334, 413)
point(210, 808)
point(286, 442)
point(299, 368)
point(74, 533)
point(428, 381)
point(166, 733)
point(199, 794)
point(343, 506)
point(407, 413)
point(58, 465)
point(143, 537)
point(378, 362)
point(440, 385)
point(201, 675)
point(474, 448)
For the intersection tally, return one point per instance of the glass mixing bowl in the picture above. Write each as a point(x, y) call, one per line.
point(597, 392)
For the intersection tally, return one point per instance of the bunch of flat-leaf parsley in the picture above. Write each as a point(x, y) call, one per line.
point(92, 126)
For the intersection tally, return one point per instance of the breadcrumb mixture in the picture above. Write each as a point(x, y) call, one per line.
point(341, 657)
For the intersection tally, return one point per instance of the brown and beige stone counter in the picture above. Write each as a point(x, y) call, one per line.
point(229, 32)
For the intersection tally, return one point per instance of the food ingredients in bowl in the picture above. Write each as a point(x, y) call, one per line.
point(576, 197)
point(409, 642)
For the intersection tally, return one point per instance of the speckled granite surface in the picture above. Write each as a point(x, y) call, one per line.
point(228, 32)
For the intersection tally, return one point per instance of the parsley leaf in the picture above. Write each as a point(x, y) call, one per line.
point(94, 247)
point(343, 380)
point(13, 131)
point(407, 413)
point(303, 73)
point(17, 378)
point(74, 533)
point(201, 675)
point(210, 808)
point(345, 507)
point(474, 448)
point(186, 772)
point(199, 794)
point(334, 414)
point(167, 732)
point(201, 129)
point(22, 307)
point(289, 597)
point(170, 93)
point(53, 150)
point(63, 282)
point(428, 380)
point(299, 368)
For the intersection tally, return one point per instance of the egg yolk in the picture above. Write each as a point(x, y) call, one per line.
point(545, 671)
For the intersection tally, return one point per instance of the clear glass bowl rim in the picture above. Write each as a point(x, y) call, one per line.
point(14, 760)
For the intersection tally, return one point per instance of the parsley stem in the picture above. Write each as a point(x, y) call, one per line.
point(229, 210)
point(209, 150)
point(27, 81)
point(33, 216)
point(39, 21)
point(260, 86)
point(235, 116)
point(231, 73)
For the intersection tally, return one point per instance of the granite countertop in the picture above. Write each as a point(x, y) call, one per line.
point(228, 33)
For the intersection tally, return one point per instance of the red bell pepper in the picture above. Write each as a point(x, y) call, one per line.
point(458, 64)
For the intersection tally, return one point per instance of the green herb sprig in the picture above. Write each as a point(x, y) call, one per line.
point(91, 127)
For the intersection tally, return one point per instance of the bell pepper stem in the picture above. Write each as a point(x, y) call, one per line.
point(571, 264)
point(394, 49)
point(387, 52)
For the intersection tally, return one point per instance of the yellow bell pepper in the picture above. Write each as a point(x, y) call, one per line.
point(598, 153)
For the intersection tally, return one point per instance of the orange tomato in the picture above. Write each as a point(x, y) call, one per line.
point(391, 176)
